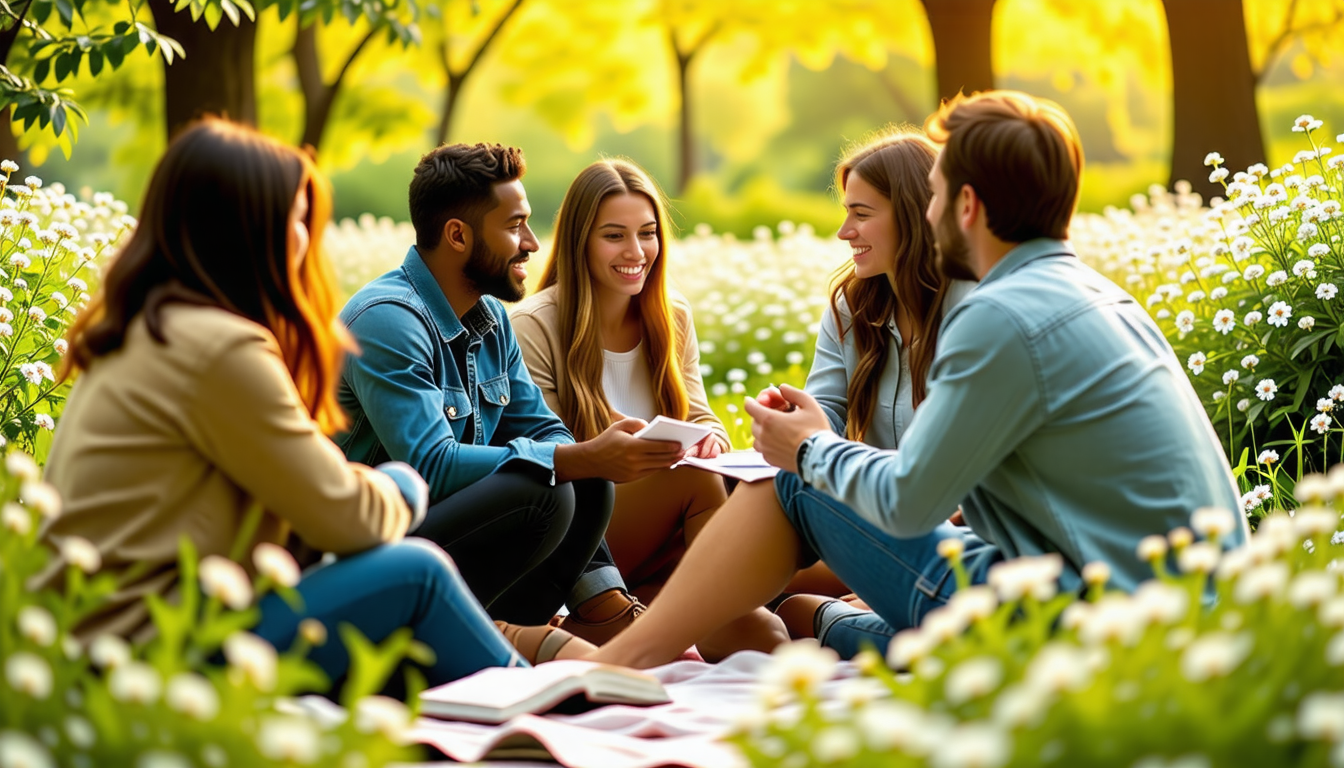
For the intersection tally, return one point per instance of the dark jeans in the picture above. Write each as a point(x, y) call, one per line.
point(407, 584)
point(525, 547)
point(901, 579)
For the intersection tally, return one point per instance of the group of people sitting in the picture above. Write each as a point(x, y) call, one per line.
point(471, 471)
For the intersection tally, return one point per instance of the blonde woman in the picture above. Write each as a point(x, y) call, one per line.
point(605, 339)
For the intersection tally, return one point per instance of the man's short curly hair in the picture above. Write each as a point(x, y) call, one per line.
point(456, 181)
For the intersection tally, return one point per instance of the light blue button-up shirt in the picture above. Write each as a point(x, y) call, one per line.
point(1058, 417)
point(452, 398)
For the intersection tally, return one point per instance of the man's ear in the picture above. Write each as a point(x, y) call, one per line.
point(969, 207)
point(457, 236)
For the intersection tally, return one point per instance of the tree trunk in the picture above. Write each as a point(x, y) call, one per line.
point(685, 137)
point(316, 104)
point(9, 143)
point(962, 44)
point(1213, 89)
point(451, 92)
point(218, 74)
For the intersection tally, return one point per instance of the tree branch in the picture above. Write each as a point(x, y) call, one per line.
point(1288, 34)
point(485, 45)
point(9, 36)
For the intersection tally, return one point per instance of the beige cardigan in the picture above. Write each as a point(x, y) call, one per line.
point(536, 322)
point(160, 441)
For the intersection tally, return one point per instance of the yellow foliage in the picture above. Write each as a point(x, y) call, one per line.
point(1276, 27)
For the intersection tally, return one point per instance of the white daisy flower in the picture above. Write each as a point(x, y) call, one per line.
point(1280, 312)
point(1326, 291)
point(1325, 405)
point(1230, 378)
point(1224, 320)
point(1267, 456)
point(1185, 321)
point(1337, 392)
point(1276, 278)
point(1320, 423)
point(1196, 363)
point(1253, 318)
point(1306, 323)
point(1253, 272)
point(1250, 361)
point(1266, 389)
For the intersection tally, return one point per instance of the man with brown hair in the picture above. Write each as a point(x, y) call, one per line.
point(1057, 416)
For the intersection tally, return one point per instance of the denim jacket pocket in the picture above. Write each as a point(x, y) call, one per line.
point(456, 404)
point(495, 391)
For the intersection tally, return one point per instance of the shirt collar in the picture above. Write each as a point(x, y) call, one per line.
point(427, 288)
point(1024, 253)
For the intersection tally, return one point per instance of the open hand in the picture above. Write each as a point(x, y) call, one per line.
point(621, 457)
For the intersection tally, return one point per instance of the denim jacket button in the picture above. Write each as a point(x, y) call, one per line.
point(452, 411)
point(503, 399)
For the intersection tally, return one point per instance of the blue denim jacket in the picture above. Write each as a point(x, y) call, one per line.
point(1058, 417)
point(450, 397)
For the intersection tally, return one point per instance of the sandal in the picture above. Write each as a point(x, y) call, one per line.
point(537, 644)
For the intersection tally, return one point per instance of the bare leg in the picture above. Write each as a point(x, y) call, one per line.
point(652, 515)
point(742, 559)
point(818, 580)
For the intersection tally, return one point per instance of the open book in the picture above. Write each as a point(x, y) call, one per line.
point(747, 466)
point(498, 694)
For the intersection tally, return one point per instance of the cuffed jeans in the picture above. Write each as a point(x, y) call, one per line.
point(900, 579)
point(410, 583)
point(525, 547)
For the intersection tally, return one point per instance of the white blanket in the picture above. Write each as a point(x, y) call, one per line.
point(706, 701)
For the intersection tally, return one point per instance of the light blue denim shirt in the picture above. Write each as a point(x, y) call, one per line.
point(834, 363)
point(1057, 416)
point(449, 397)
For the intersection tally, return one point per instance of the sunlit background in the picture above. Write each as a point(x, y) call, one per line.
point(774, 91)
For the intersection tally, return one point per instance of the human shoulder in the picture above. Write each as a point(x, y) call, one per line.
point(391, 289)
point(543, 305)
point(207, 331)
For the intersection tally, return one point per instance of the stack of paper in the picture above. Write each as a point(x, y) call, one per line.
point(747, 466)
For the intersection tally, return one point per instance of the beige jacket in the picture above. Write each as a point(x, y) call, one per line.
point(160, 441)
point(536, 323)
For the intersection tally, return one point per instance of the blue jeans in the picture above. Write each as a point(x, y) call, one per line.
point(901, 579)
point(410, 583)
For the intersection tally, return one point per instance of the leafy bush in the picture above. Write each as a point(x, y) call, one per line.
point(163, 704)
point(50, 244)
point(1014, 674)
point(1246, 292)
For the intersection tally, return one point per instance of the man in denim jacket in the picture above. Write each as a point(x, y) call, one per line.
point(440, 384)
point(1057, 416)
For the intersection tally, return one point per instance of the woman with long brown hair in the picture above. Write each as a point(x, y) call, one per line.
point(206, 369)
point(606, 339)
point(873, 354)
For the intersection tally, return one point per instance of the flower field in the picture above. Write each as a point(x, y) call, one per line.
point(1246, 290)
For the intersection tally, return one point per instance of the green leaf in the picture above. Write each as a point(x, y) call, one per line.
point(95, 63)
point(41, 70)
point(1303, 343)
point(1303, 384)
point(66, 11)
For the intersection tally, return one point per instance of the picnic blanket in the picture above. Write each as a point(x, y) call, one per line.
point(707, 699)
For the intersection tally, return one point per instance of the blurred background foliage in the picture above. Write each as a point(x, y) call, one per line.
point(739, 107)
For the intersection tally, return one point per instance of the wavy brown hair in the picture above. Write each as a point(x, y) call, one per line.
point(897, 163)
point(583, 405)
point(214, 231)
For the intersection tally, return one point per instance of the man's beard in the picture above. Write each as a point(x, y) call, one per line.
point(491, 275)
point(954, 252)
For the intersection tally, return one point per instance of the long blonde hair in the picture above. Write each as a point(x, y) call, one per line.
point(583, 405)
point(897, 163)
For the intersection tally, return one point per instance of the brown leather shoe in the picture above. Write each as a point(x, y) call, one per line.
point(603, 617)
point(536, 644)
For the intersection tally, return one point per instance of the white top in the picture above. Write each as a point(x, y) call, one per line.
point(626, 383)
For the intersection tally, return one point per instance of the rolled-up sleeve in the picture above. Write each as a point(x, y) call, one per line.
point(983, 399)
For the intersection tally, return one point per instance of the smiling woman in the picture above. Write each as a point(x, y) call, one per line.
point(606, 340)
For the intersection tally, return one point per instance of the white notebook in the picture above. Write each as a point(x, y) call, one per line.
point(747, 466)
point(684, 433)
point(498, 694)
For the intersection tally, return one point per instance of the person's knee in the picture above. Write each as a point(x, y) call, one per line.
point(594, 500)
